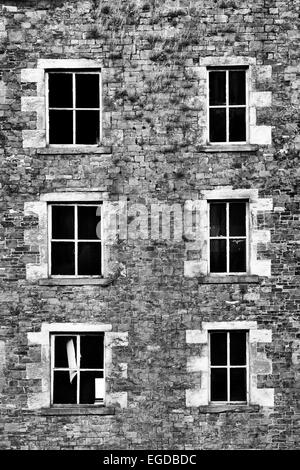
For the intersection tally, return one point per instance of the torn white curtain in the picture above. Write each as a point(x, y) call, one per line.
point(71, 359)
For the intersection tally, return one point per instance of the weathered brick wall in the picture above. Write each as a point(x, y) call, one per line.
point(151, 52)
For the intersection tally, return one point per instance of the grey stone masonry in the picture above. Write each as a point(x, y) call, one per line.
point(155, 301)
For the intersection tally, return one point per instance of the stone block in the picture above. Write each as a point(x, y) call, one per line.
point(116, 399)
point(196, 397)
point(196, 337)
point(263, 396)
point(260, 99)
point(34, 138)
point(261, 135)
point(260, 336)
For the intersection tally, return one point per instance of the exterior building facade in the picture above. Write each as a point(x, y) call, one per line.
point(149, 224)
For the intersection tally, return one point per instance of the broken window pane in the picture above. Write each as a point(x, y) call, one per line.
point(60, 127)
point(87, 90)
point(87, 222)
point(218, 349)
point(217, 125)
point(63, 258)
point(217, 219)
point(237, 124)
point(88, 385)
point(64, 391)
point(89, 258)
point(217, 88)
point(60, 350)
point(237, 348)
point(62, 222)
point(218, 256)
point(237, 87)
point(237, 257)
point(87, 127)
point(91, 348)
point(60, 90)
point(238, 384)
point(237, 219)
point(218, 388)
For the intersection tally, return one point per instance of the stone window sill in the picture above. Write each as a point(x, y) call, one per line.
point(75, 282)
point(228, 148)
point(74, 150)
point(227, 279)
point(80, 410)
point(228, 408)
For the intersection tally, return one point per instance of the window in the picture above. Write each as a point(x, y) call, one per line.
point(228, 366)
point(77, 368)
point(75, 240)
point(227, 105)
point(74, 107)
point(228, 237)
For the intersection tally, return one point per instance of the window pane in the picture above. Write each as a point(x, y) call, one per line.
point(60, 90)
point(63, 356)
point(237, 348)
point(89, 258)
point(63, 258)
point(87, 90)
point(237, 87)
point(237, 219)
point(60, 127)
point(62, 222)
point(217, 88)
point(88, 221)
point(64, 391)
point(218, 387)
point(91, 350)
point(217, 256)
point(87, 127)
point(217, 125)
point(87, 386)
point(237, 124)
point(238, 385)
point(217, 219)
point(218, 349)
point(237, 258)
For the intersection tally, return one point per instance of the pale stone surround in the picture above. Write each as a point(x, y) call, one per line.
point(37, 138)
point(3, 93)
point(42, 371)
point(37, 237)
point(258, 134)
point(258, 362)
point(2, 363)
point(199, 267)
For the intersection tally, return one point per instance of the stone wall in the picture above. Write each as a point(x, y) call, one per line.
point(151, 54)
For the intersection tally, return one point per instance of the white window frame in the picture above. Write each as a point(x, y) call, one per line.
point(228, 237)
point(227, 106)
point(228, 367)
point(75, 239)
point(74, 108)
point(53, 368)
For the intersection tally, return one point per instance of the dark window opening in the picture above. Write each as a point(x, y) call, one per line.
point(227, 105)
point(228, 366)
point(228, 237)
point(78, 369)
point(75, 245)
point(74, 108)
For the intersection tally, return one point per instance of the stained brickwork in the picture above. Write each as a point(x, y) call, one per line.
point(152, 55)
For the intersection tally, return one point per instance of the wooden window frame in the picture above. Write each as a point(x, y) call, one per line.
point(74, 108)
point(75, 239)
point(228, 367)
point(53, 368)
point(227, 237)
point(227, 106)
